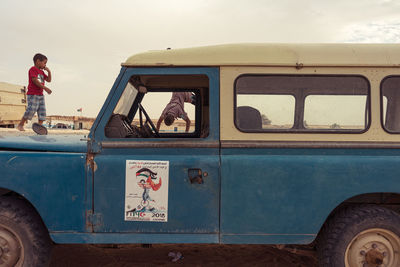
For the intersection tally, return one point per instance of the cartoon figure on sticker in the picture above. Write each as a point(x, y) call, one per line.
point(146, 180)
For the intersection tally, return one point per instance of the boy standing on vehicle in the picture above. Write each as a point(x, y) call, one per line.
point(35, 97)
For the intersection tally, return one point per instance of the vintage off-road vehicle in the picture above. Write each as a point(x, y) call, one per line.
point(287, 144)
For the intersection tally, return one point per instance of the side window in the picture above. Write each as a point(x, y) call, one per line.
point(306, 103)
point(160, 106)
point(259, 112)
point(323, 112)
point(390, 93)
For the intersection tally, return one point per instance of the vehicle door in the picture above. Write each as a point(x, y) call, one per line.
point(157, 182)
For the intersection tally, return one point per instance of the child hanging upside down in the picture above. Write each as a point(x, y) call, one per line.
point(175, 109)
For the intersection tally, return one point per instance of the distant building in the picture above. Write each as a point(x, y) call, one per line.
point(83, 123)
point(12, 104)
point(71, 122)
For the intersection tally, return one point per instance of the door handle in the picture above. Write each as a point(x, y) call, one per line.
point(196, 176)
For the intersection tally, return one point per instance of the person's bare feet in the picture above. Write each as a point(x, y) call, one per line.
point(20, 128)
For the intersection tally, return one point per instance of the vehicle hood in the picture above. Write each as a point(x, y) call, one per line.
point(53, 143)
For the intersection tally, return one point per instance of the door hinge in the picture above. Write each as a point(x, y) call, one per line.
point(93, 146)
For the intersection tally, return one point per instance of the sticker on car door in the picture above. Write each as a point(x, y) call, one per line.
point(146, 190)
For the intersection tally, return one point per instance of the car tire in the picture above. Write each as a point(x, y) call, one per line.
point(367, 235)
point(24, 240)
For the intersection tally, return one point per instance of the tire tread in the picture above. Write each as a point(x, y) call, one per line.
point(23, 214)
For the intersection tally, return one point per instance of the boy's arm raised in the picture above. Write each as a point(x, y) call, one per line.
point(48, 79)
point(187, 120)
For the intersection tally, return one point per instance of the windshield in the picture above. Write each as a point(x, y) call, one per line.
point(126, 100)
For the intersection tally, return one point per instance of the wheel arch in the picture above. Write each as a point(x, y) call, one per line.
point(385, 199)
point(4, 192)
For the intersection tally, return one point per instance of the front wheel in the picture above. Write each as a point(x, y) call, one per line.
point(361, 236)
point(24, 241)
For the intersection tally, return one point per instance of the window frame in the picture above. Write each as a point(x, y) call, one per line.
point(381, 103)
point(134, 109)
point(98, 142)
point(301, 106)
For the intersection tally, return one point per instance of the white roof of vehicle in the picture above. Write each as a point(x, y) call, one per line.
point(272, 55)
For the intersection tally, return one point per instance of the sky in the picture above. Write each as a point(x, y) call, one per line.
point(87, 40)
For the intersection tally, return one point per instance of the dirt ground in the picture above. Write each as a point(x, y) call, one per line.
point(157, 255)
point(193, 255)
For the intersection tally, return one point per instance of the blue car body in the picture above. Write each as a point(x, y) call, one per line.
point(250, 195)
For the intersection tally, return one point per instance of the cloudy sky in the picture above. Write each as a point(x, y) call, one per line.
point(87, 40)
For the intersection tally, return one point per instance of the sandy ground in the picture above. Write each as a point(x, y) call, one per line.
point(157, 255)
point(193, 255)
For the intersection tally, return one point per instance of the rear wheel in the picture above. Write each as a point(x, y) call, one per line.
point(361, 236)
point(24, 241)
point(374, 246)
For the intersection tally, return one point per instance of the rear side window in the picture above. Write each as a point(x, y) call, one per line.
point(390, 91)
point(306, 103)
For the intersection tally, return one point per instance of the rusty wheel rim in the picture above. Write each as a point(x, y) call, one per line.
point(11, 249)
point(373, 247)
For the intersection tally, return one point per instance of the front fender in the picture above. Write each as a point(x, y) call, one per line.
point(53, 182)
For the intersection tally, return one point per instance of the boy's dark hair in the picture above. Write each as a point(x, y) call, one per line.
point(169, 119)
point(39, 57)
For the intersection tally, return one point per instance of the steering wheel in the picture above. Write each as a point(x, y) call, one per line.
point(148, 120)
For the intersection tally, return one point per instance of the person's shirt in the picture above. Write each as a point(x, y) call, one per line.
point(35, 72)
point(176, 104)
